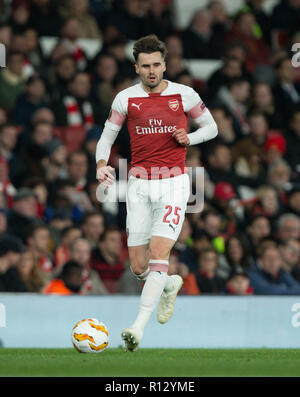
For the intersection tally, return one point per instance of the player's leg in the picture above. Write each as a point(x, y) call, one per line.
point(168, 217)
point(160, 247)
point(155, 280)
point(139, 232)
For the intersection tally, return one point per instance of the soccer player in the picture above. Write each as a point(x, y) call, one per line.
point(156, 112)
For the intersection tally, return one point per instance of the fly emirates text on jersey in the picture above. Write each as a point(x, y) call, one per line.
point(155, 127)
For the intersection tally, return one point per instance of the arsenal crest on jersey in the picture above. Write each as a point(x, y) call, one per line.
point(173, 104)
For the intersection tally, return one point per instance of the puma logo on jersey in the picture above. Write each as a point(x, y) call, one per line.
point(172, 227)
point(137, 106)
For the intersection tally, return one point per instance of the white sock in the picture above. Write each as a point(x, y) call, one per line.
point(150, 296)
point(143, 276)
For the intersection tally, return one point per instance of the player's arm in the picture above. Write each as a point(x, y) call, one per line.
point(109, 134)
point(204, 120)
point(197, 111)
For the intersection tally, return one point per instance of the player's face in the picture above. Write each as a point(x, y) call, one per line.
point(150, 68)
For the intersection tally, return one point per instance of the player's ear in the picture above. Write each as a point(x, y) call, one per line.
point(136, 68)
point(164, 66)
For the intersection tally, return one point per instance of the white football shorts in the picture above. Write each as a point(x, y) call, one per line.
point(155, 207)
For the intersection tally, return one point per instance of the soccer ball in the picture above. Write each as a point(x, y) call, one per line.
point(90, 336)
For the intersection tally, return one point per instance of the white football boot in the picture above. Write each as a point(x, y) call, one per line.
point(132, 338)
point(167, 300)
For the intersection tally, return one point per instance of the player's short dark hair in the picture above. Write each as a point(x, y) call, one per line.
point(148, 45)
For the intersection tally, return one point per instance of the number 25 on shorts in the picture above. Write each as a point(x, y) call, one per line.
point(169, 209)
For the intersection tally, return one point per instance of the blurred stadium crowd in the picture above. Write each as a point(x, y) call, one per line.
point(55, 237)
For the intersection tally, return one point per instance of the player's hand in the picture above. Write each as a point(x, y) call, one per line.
point(105, 176)
point(181, 137)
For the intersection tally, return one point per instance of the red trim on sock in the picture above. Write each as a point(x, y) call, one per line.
point(158, 267)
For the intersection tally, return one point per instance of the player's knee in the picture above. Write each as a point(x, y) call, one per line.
point(138, 263)
point(138, 268)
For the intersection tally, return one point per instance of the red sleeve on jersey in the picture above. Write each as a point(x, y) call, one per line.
point(197, 110)
point(116, 117)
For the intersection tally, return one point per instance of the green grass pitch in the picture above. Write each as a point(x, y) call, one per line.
point(150, 363)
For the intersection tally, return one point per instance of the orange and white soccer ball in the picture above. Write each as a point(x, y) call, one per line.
point(90, 336)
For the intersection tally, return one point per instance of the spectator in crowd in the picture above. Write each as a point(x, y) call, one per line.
point(34, 155)
point(249, 150)
point(258, 229)
point(39, 186)
point(93, 227)
point(290, 255)
point(286, 90)
point(267, 203)
point(278, 176)
point(238, 283)
point(222, 199)
point(23, 213)
point(236, 257)
point(262, 100)
point(189, 280)
point(117, 48)
point(38, 244)
point(69, 45)
point(235, 96)
point(293, 201)
point(263, 19)
point(174, 45)
point(4, 11)
point(106, 70)
point(105, 258)
point(200, 40)
point(44, 17)
point(20, 14)
point(206, 277)
point(12, 80)
point(68, 282)
point(3, 222)
point(288, 227)
point(132, 20)
point(274, 148)
point(267, 276)
point(243, 30)
point(286, 15)
point(175, 66)
point(219, 16)
point(62, 253)
point(57, 222)
point(292, 136)
point(89, 28)
point(189, 256)
point(231, 69)
point(56, 164)
point(80, 251)
point(7, 190)
point(224, 120)
point(76, 109)
point(29, 271)
point(8, 141)
point(32, 99)
point(220, 167)
point(10, 251)
point(60, 75)
point(34, 53)
point(77, 166)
